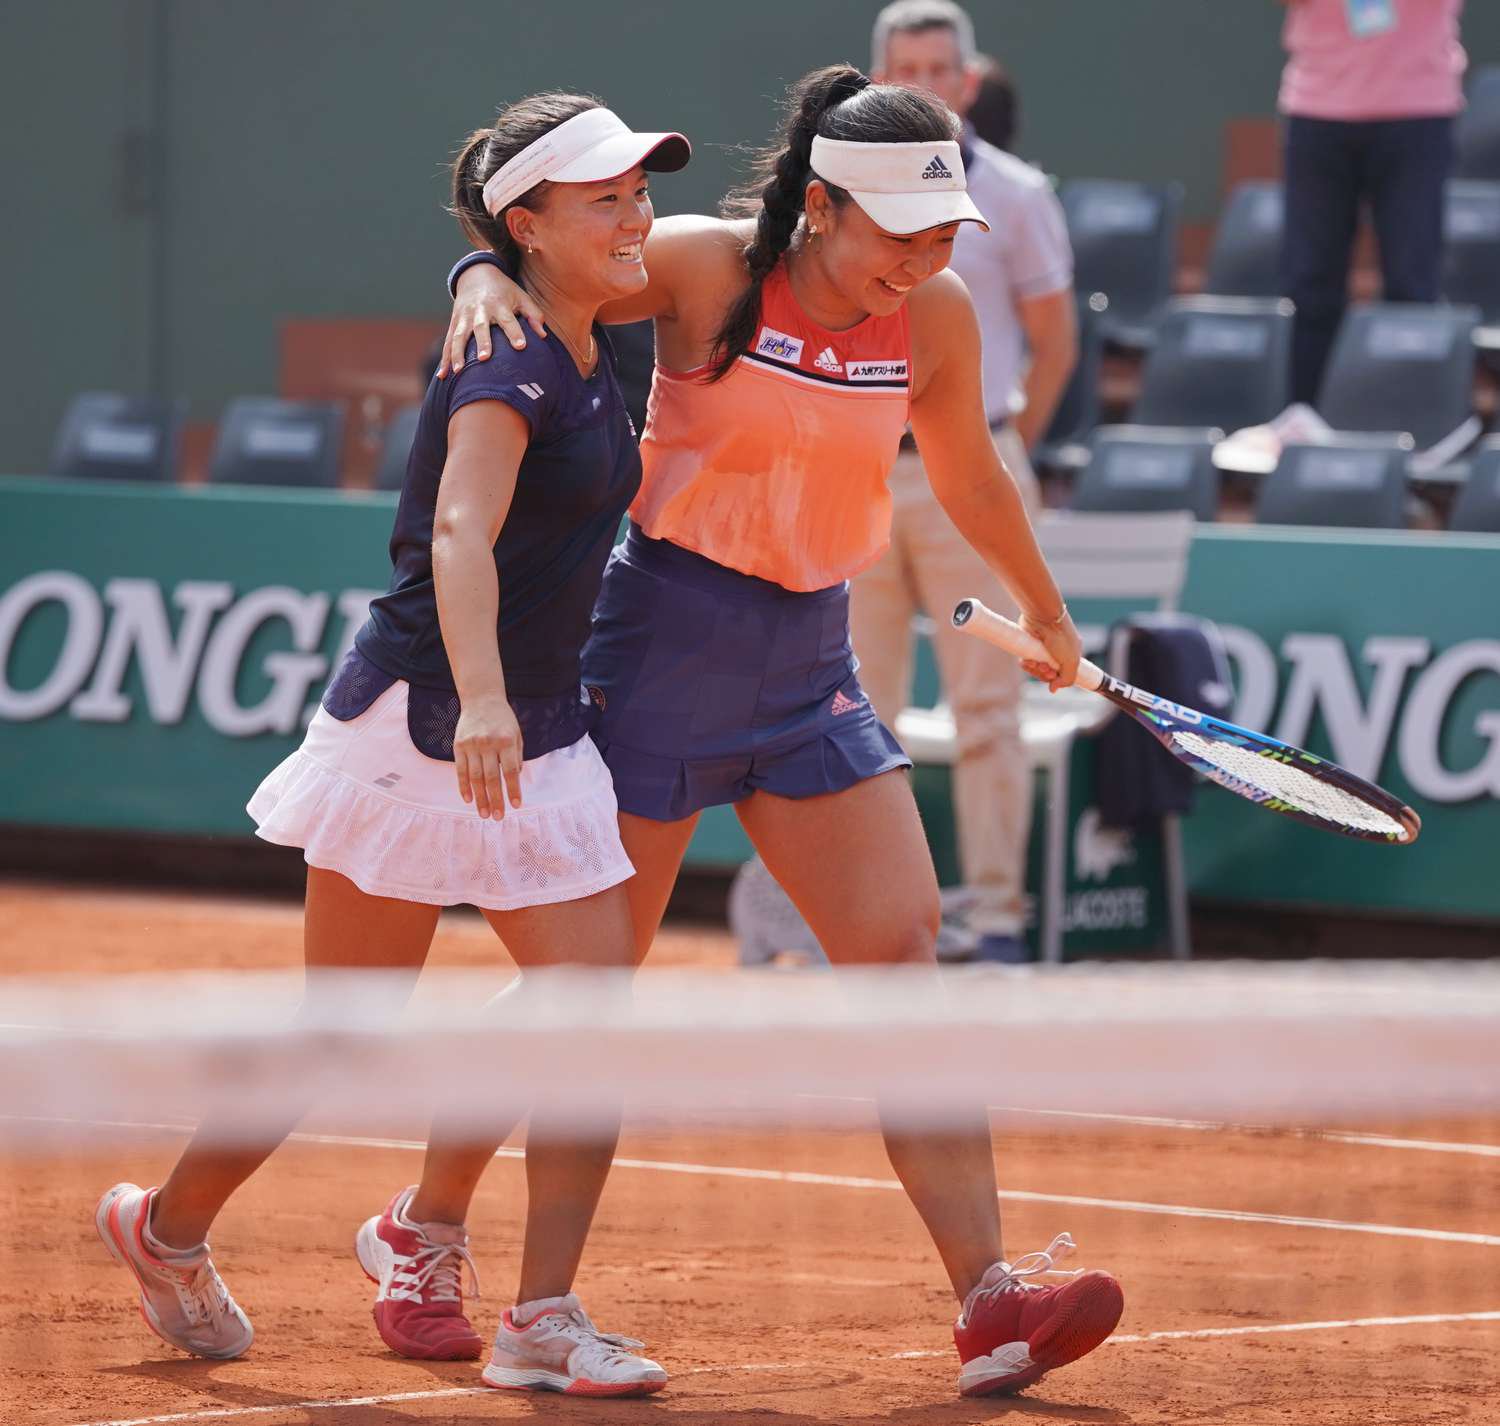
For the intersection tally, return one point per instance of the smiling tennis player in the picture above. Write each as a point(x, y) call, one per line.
point(792, 350)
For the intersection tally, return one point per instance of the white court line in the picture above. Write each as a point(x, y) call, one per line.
point(829, 1180)
point(1123, 1340)
point(1213, 1126)
point(1332, 1136)
point(220, 1412)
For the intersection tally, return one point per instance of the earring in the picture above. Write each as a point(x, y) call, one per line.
point(529, 248)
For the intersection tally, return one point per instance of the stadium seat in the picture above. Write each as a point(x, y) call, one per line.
point(1471, 246)
point(1124, 238)
point(1478, 504)
point(1245, 260)
point(1146, 468)
point(1402, 367)
point(264, 441)
point(396, 447)
point(1357, 481)
point(105, 436)
point(1065, 446)
point(1217, 361)
point(1477, 134)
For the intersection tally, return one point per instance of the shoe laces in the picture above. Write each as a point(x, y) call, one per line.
point(576, 1325)
point(437, 1269)
point(1013, 1277)
point(201, 1291)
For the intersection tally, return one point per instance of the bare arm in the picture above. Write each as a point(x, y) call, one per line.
point(1051, 326)
point(486, 296)
point(486, 441)
point(970, 479)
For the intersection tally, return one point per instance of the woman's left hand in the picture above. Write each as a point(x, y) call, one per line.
point(1062, 643)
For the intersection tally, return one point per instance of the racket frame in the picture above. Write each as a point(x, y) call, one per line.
point(1162, 718)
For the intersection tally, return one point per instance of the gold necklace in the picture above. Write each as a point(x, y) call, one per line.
point(587, 361)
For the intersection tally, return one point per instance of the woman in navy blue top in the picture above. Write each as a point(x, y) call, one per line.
point(450, 760)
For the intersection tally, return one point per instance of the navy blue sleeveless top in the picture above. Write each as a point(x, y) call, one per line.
point(578, 476)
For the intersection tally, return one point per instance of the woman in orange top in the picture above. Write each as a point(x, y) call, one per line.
point(793, 350)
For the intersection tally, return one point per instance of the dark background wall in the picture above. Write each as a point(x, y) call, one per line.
point(182, 174)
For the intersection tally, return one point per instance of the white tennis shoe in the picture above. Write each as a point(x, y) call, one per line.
point(551, 1345)
point(183, 1300)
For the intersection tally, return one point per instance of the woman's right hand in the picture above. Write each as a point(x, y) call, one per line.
point(486, 297)
point(487, 752)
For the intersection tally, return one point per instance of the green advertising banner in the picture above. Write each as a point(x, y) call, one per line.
point(161, 649)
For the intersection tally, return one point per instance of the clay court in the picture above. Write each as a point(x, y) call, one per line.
point(1269, 1277)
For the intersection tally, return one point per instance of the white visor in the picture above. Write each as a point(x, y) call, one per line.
point(588, 148)
point(905, 188)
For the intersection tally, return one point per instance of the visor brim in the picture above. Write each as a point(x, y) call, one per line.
point(656, 153)
point(907, 213)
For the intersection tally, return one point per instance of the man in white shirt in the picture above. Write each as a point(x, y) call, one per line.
point(1021, 276)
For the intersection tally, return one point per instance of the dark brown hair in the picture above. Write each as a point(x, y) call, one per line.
point(486, 151)
point(996, 110)
point(839, 103)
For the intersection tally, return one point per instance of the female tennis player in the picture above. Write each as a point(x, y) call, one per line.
point(792, 351)
point(438, 772)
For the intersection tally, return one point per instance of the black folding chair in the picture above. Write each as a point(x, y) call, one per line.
point(1217, 361)
point(1471, 246)
point(1065, 446)
point(106, 436)
point(265, 441)
point(1124, 238)
point(1476, 137)
point(395, 448)
point(1142, 468)
point(1401, 367)
point(1245, 260)
point(1356, 481)
point(1477, 506)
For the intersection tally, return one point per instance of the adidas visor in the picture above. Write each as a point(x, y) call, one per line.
point(904, 188)
point(588, 148)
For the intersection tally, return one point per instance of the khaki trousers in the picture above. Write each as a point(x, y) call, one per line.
point(930, 567)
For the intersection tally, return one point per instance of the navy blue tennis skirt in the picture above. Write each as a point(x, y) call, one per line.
point(715, 684)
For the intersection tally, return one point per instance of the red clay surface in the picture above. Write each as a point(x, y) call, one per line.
point(769, 1301)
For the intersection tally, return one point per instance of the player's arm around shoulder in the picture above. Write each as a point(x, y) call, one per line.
point(695, 266)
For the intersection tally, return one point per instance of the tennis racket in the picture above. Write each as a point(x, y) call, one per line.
point(1270, 774)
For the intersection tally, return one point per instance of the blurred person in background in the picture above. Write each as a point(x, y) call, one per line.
point(1369, 95)
point(1020, 274)
point(995, 113)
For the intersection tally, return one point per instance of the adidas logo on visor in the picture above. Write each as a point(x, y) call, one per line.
point(937, 168)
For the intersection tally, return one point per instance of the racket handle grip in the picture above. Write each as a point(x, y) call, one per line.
point(975, 618)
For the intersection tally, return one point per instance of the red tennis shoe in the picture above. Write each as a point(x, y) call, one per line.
point(419, 1310)
point(1012, 1331)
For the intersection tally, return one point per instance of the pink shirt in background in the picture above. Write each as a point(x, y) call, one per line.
point(1372, 59)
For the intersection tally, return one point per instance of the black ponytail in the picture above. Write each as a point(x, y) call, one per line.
point(838, 102)
point(486, 151)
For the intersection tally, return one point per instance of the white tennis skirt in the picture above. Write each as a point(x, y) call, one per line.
point(361, 800)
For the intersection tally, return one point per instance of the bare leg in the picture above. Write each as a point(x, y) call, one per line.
point(655, 850)
point(343, 929)
point(857, 866)
point(564, 1176)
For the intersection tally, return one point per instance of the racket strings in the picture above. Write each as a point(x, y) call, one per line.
point(1287, 782)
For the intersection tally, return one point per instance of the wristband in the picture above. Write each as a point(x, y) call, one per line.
point(469, 260)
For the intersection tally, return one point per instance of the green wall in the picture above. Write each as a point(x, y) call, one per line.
point(181, 174)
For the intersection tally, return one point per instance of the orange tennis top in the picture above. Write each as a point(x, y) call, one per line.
point(779, 469)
